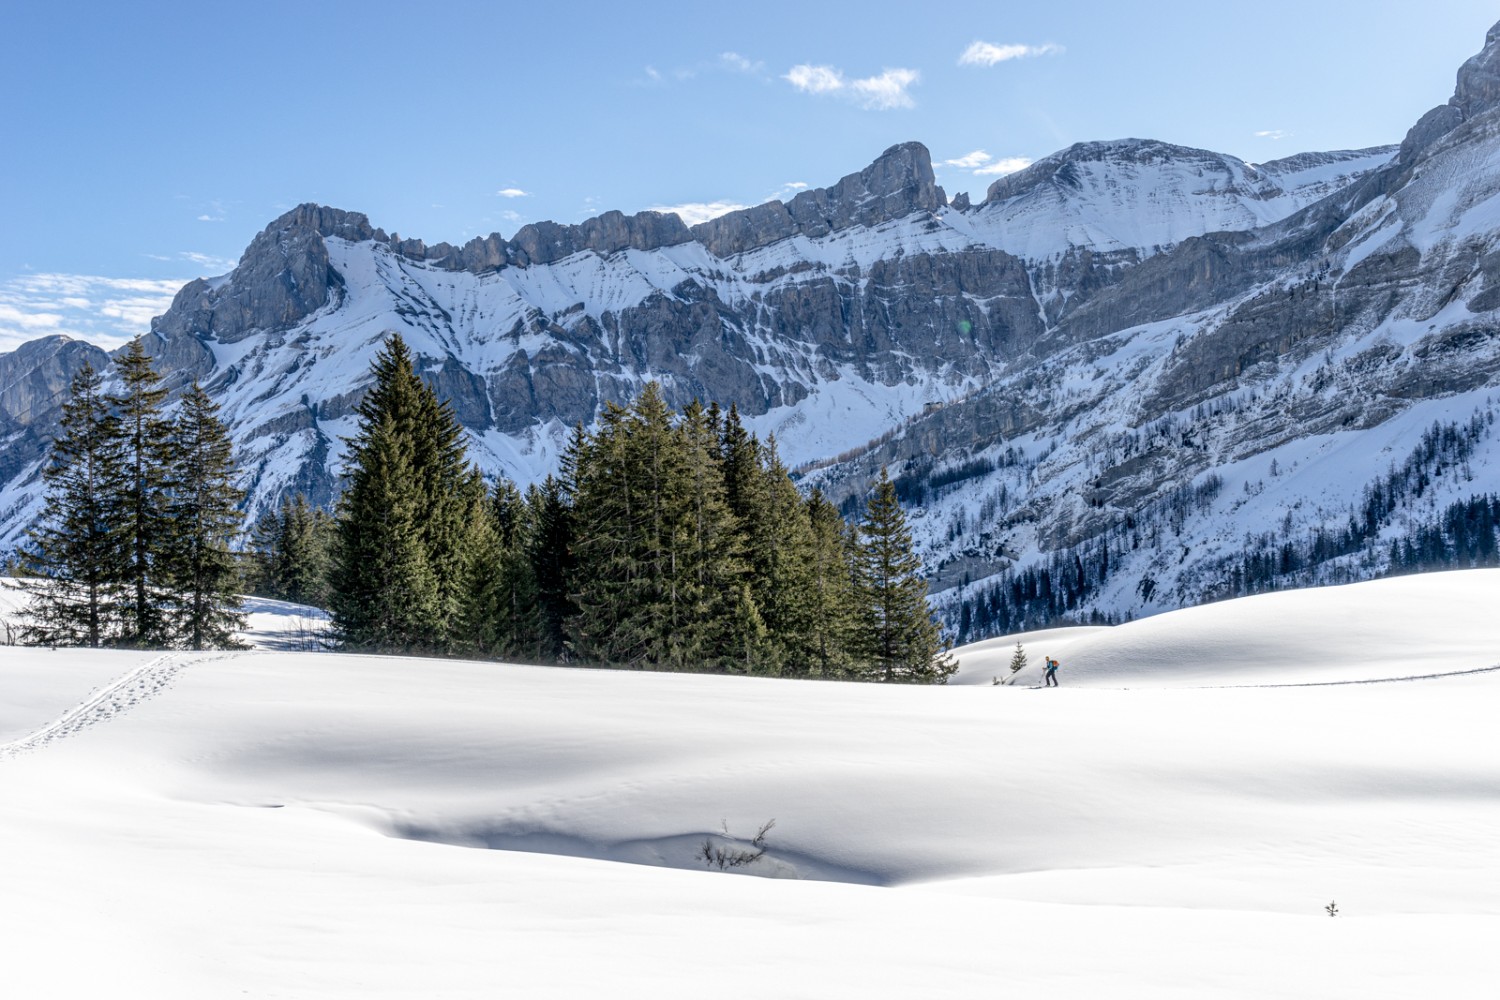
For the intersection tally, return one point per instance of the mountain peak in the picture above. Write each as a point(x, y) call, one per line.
point(899, 182)
point(1478, 87)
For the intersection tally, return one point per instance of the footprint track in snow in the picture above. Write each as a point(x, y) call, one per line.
point(108, 702)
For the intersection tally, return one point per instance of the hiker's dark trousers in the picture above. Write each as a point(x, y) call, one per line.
point(1051, 680)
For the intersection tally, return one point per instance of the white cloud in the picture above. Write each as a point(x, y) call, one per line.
point(988, 53)
point(694, 212)
point(875, 93)
point(101, 310)
point(210, 218)
point(969, 161)
point(815, 79)
point(513, 193)
point(796, 185)
point(1272, 133)
point(1004, 165)
point(888, 90)
point(653, 74)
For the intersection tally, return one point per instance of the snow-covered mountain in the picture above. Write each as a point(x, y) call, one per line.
point(1300, 402)
point(1049, 372)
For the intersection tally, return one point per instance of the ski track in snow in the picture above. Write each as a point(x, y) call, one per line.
point(112, 700)
point(1367, 680)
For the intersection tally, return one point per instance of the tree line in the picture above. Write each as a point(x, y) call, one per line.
point(133, 546)
point(668, 541)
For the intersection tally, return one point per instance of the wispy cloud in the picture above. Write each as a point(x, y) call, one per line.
point(1273, 133)
point(209, 262)
point(982, 164)
point(694, 212)
point(969, 161)
point(736, 63)
point(513, 192)
point(1004, 165)
point(888, 90)
point(216, 212)
point(787, 190)
point(101, 310)
point(988, 53)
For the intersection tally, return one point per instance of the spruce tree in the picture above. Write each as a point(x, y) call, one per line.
point(500, 609)
point(900, 641)
point(385, 595)
point(551, 557)
point(303, 552)
point(832, 596)
point(77, 555)
point(147, 445)
point(722, 628)
point(201, 518)
point(783, 561)
point(387, 592)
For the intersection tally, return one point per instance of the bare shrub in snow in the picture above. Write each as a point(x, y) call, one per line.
point(724, 856)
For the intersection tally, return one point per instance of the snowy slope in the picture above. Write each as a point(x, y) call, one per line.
point(1144, 196)
point(273, 823)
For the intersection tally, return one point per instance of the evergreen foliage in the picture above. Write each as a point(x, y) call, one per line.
point(400, 569)
point(147, 443)
point(678, 542)
point(78, 556)
point(202, 511)
point(133, 546)
point(292, 553)
point(899, 639)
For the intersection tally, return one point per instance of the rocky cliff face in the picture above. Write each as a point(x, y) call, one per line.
point(1285, 372)
point(1108, 327)
point(34, 380)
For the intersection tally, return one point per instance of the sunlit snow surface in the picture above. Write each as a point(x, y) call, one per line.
point(1171, 821)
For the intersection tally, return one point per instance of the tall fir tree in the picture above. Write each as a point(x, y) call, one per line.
point(77, 558)
point(722, 628)
point(398, 569)
point(500, 610)
point(385, 595)
point(900, 641)
point(782, 556)
point(550, 553)
point(832, 596)
point(201, 518)
point(147, 445)
point(305, 552)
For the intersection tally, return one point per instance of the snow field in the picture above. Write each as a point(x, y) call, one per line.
point(281, 823)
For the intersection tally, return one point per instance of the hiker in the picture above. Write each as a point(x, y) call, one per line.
point(1051, 680)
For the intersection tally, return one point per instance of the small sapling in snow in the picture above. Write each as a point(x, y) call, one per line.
point(1017, 660)
point(1333, 909)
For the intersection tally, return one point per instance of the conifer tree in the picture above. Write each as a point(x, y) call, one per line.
point(398, 569)
point(453, 493)
point(501, 612)
point(385, 595)
point(77, 553)
point(831, 594)
point(303, 552)
point(147, 445)
point(722, 626)
point(900, 641)
point(550, 553)
point(201, 518)
point(782, 558)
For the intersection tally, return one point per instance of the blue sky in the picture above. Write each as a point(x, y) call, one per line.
point(144, 145)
